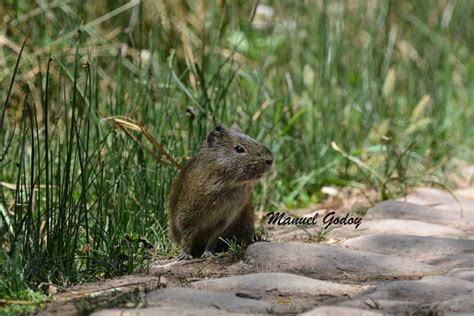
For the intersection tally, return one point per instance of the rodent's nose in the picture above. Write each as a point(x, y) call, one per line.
point(269, 161)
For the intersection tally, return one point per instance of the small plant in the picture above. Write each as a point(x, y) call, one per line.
point(372, 304)
point(320, 236)
point(260, 234)
point(13, 280)
point(360, 211)
point(386, 169)
point(15, 295)
point(235, 250)
point(25, 302)
point(86, 306)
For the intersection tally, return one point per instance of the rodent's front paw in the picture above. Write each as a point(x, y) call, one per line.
point(184, 256)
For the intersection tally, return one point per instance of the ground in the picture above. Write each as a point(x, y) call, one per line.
point(411, 255)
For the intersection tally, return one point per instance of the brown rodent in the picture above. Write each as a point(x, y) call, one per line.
point(210, 197)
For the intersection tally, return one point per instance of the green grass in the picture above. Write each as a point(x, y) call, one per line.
point(109, 97)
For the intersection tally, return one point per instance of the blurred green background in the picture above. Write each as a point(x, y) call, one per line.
point(109, 96)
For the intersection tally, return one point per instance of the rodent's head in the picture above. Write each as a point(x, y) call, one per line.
point(236, 155)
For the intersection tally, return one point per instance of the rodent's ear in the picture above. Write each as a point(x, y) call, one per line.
point(236, 128)
point(215, 135)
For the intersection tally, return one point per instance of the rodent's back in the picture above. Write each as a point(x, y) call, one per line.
point(176, 190)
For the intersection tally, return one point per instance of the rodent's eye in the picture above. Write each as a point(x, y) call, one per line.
point(239, 149)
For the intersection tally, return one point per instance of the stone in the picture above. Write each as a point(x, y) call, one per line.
point(453, 262)
point(340, 311)
point(390, 306)
point(409, 211)
point(427, 290)
point(288, 293)
point(440, 199)
point(327, 262)
point(396, 226)
point(162, 310)
point(458, 304)
point(466, 208)
point(404, 210)
point(195, 299)
point(431, 250)
point(289, 284)
point(462, 273)
point(109, 287)
point(428, 196)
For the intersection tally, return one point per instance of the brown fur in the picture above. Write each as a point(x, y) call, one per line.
point(210, 197)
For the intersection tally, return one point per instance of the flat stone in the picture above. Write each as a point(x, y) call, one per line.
point(429, 196)
point(288, 293)
point(189, 298)
point(454, 262)
point(290, 284)
point(458, 304)
point(440, 199)
point(410, 211)
point(390, 306)
point(109, 287)
point(427, 290)
point(431, 250)
point(404, 210)
point(396, 226)
point(162, 310)
point(327, 262)
point(462, 273)
point(340, 311)
point(466, 208)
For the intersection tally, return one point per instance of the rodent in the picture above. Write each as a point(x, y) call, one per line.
point(211, 196)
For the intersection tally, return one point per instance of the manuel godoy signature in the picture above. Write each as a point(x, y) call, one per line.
point(328, 219)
